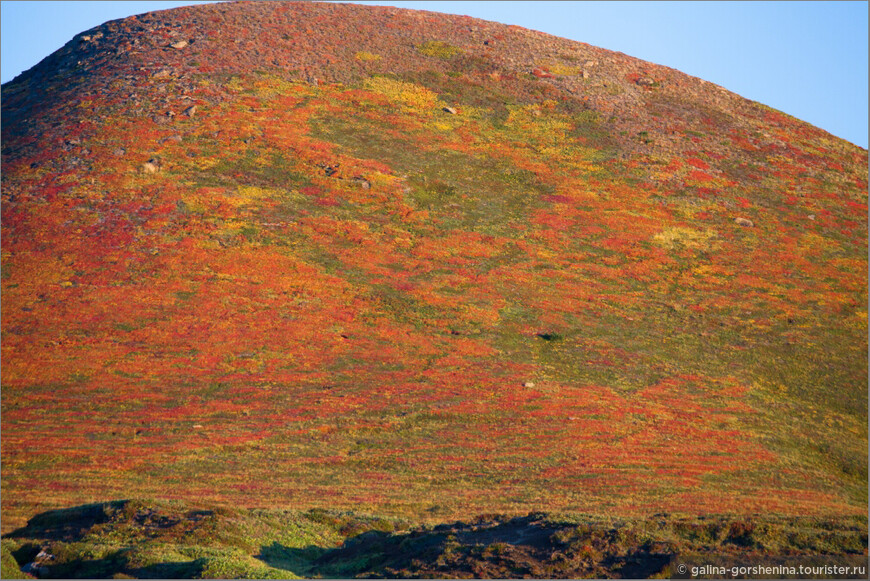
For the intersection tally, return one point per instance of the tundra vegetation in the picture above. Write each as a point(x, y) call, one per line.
point(451, 269)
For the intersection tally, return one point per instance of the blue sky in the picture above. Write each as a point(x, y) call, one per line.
point(808, 59)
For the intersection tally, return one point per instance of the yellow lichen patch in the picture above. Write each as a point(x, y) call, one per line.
point(367, 56)
point(377, 178)
point(576, 158)
point(539, 120)
point(438, 49)
point(234, 85)
point(249, 194)
point(202, 163)
point(270, 86)
point(681, 237)
point(689, 208)
point(558, 68)
point(410, 97)
point(230, 228)
point(811, 244)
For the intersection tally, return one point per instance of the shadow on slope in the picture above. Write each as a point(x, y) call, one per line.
point(491, 547)
point(159, 539)
point(543, 546)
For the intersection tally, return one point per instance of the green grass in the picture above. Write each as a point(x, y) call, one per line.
point(148, 539)
point(163, 539)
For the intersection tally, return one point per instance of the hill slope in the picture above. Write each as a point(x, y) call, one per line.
point(314, 255)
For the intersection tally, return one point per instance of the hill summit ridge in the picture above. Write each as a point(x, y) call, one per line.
point(317, 42)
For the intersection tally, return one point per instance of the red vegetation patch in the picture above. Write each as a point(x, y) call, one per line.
point(698, 163)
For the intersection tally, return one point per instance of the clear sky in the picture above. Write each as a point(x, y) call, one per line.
point(808, 59)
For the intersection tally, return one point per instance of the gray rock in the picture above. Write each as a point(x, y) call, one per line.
point(179, 45)
point(151, 166)
point(450, 110)
point(31, 569)
point(744, 222)
point(190, 111)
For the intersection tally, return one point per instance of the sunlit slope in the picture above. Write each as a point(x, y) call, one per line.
point(437, 275)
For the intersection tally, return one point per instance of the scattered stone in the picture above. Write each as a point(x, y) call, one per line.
point(161, 74)
point(32, 569)
point(585, 74)
point(179, 45)
point(450, 110)
point(197, 426)
point(528, 384)
point(38, 567)
point(119, 152)
point(364, 183)
point(645, 82)
point(744, 222)
point(190, 111)
point(590, 64)
point(812, 216)
point(151, 166)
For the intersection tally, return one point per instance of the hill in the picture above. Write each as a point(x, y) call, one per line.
point(421, 266)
